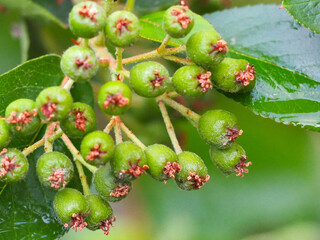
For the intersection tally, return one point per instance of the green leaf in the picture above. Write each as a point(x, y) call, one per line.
point(147, 6)
point(278, 47)
point(151, 28)
point(27, 8)
point(306, 13)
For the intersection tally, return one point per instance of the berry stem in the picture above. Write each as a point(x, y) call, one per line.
point(176, 59)
point(76, 154)
point(33, 147)
point(131, 136)
point(164, 44)
point(153, 54)
point(109, 126)
point(68, 84)
point(119, 52)
point(170, 129)
point(85, 42)
point(117, 130)
point(83, 178)
point(48, 145)
point(186, 112)
point(130, 5)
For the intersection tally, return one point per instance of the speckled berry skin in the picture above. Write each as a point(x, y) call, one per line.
point(79, 63)
point(80, 120)
point(105, 183)
point(69, 201)
point(100, 210)
point(54, 161)
point(4, 133)
point(105, 144)
point(171, 22)
point(57, 95)
point(157, 156)
point(127, 153)
point(227, 159)
point(122, 28)
point(213, 127)
point(144, 76)
point(224, 78)
point(190, 162)
point(19, 107)
point(185, 81)
point(200, 46)
point(87, 19)
point(112, 89)
point(20, 170)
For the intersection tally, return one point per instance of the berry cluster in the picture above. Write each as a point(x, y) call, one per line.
point(116, 163)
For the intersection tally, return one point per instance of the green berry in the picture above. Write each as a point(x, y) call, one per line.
point(87, 19)
point(162, 162)
point(178, 21)
point(108, 186)
point(14, 165)
point(230, 160)
point(4, 133)
point(101, 213)
point(54, 170)
point(114, 98)
point(122, 28)
point(193, 174)
point(81, 120)
point(71, 208)
point(97, 148)
point(206, 48)
point(149, 79)
point(218, 128)
point(22, 117)
point(129, 161)
point(192, 81)
point(234, 75)
point(53, 103)
point(79, 63)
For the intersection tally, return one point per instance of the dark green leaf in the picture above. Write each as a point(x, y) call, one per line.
point(306, 13)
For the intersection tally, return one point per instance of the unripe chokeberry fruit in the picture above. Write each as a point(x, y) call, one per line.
point(218, 128)
point(230, 160)
point(87, 19)
point(192, 81)
point(79, 63)
point(193, 174)
point(162, 162)
point(129, 161)
point(122, 28)
point(101, 214)
point(14, 165)
point(178, 21)
point(54, 169)
point(114, 98)
point(80, 120)
point(4, 133)
point(108, 186)
point(149, 79)
point(233, 75)
point(53, 103)
point(97, 148)
point(71, 208)
point(22, 117)
point(206, 48)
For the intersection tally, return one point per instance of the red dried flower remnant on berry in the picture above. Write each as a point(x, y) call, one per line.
point(122, 26)
point(182, 18)
point(88, 12)
point(80, 119)
point(221, 46)
point(83, 63)
point(241, 166)
point(77, 222)
point(170, 169)
point(244, 77)
point(204, 81)
point(22, 118)
point(197, 180)
point(95, 153)
point(119, 191)
point(233, 134)
point(157, 81)
point(116, 99)
point(7, 164)
point(105, 225)
point(48, 109)
point(56, 179)
point(135, 170)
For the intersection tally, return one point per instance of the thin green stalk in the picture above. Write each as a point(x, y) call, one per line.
point(131, 136)
point(83, 178)
point(130, 5)
point(68, 84)
point(164, 43)
point(119, 52)
point(117, 131)
point(109, 126)
point(176, 59)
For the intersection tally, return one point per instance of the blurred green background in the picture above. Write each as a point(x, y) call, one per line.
point(278, 199)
